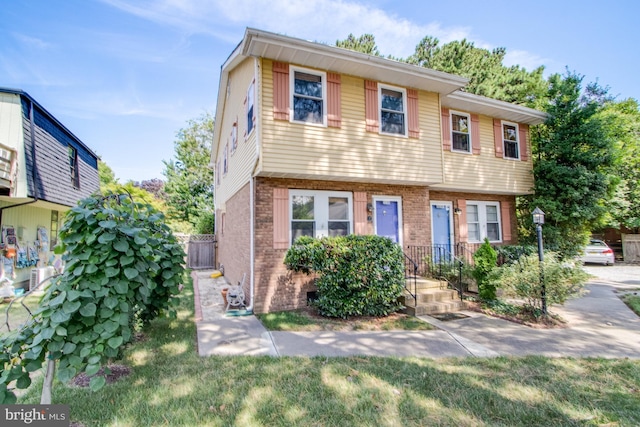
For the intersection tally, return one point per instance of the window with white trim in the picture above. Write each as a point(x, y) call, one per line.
point(234, 137)
point(308, 96)
point(393, 107)
point(460, 132)
point(483, 220)
point(510, 138)
point(320, 213)
point(250, 104)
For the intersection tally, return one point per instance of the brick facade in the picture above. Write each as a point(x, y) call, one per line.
point(233, 236)
point(278, 289)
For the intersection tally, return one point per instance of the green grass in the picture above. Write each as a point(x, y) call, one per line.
point(170, 385)
point(17, 313)
point(309, 320)
point(632, 301)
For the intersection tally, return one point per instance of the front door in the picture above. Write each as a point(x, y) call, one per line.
point(388, 218)
point(441, 230)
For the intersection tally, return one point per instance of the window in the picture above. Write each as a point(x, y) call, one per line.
point(483, 220)
point(392, 110)
point(225, 159)
point(461, 132)
point(320, 213)
point(218, 173)
point(234, 137)
point(73, 167)
point(250, 108)
point(309, 93)
point(510, 138)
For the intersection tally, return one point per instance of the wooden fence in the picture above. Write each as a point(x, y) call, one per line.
point(631, 247)
point(200, 250)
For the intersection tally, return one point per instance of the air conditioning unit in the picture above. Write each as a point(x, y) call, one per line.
point(40, 274)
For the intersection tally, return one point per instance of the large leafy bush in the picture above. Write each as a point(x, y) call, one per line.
point(562, 279)
point(357, 275)
point(123, 266)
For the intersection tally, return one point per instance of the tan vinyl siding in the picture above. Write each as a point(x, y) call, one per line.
point(486, 173)
point(240, 162)
point(349, 152)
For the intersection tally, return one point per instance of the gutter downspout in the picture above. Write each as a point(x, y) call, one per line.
point(252, 189)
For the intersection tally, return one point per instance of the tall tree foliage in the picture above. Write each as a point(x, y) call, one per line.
point(366, 43)
point(623, 124)
point(575, 156)
point(484, 68)
point(189, 185)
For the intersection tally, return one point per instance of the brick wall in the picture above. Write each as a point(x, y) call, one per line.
point(278, 289)
point(234, 239)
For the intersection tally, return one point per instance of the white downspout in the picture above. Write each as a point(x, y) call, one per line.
point(252, 188)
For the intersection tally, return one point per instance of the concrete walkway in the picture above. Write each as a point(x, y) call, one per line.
point(600, 325)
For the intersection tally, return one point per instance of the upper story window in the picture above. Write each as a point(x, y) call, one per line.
point(510, 140)
point(73, 167)
point(225, 159)
point(309, 95)
point(234, 137)
point(250, 107)
point(393, 107)
point(460, 132)
point(483, 220)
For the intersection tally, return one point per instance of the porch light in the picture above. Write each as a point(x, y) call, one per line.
point(457, 211)
point(538, 216)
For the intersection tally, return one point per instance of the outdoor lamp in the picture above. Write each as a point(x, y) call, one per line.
point(538, 220)
point(538, 216)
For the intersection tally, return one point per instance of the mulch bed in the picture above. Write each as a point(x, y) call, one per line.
point(552, 321)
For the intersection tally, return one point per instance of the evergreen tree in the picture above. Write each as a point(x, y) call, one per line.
point(366, 43)
point(574, 159)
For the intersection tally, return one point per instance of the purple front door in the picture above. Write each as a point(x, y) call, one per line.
point(387, 220)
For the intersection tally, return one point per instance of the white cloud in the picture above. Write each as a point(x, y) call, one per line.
point(524, 59)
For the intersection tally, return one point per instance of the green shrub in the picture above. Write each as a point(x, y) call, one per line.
point(123, 268)
point(357, 275)
point(562, 279)
point(485, 259)
point(206, 223)
point(508, 254)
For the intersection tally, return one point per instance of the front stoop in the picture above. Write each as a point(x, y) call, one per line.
point(433, 298)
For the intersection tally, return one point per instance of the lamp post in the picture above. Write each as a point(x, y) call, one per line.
point(538, 220)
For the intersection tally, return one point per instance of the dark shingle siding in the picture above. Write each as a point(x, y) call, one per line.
point(53, 175)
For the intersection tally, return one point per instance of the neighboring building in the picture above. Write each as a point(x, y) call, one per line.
point(44, 170)
point(317, 140)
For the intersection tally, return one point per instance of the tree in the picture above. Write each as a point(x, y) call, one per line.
point(574, 159)
point(623, 123)
point(484, 69)
point(105, 174)
point(154, 186)
point(366, 43)
point(189, 185)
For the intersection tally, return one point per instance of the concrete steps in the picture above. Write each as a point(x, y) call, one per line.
point(432, 298)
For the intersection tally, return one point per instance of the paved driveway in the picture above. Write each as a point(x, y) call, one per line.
point(616, 275)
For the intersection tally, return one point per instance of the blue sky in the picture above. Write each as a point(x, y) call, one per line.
point(126, 75)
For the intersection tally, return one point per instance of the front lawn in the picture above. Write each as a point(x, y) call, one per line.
point(308, 319)
point(170, 385)
point(18, 314)
point(632, 300)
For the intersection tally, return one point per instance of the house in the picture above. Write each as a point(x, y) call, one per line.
point(44, 170)
point(317, 140)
